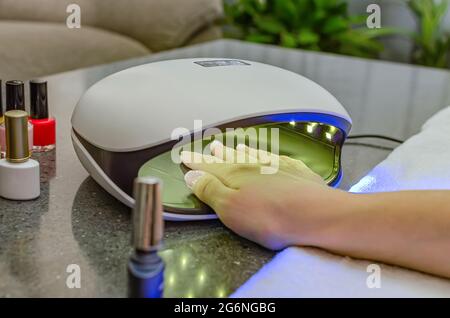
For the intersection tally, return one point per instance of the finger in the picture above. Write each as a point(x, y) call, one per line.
point(230, 174)
point(262, 156)
point(210, 164)
point(191, 158)
point(229, 155)
point(218, 150)
point(208, 188)
point(295, 167)
point(267, 157)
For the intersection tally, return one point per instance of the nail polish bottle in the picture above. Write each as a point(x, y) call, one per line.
point(15, 100)
point(19, 175)
point(145, 267)
point(44, 127)
point(15, 95)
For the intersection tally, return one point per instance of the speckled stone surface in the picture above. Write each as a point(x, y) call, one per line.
point(76, 222)
point(202, 258)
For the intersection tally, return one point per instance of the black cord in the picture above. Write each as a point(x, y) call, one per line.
point(376, 137)
point(349, 143)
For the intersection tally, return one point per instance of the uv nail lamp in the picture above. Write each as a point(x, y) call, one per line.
point(129, 123)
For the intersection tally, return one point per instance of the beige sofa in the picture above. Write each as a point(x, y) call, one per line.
point(35, 40)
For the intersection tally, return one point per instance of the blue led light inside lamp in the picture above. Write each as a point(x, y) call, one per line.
point(327, 119)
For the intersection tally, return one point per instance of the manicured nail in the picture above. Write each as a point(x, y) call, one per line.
point(187, 157)
point(191, 177)
point(215, 145)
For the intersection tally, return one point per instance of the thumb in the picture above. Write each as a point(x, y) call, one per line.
point(208, 188)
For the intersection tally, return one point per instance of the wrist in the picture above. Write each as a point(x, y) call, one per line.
point(331, 218)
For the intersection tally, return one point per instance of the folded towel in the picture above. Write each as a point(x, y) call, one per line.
point(422, 162)
point(308, 272)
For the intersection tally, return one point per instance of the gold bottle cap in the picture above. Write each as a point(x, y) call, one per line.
point(148, 224)
point(16, 126)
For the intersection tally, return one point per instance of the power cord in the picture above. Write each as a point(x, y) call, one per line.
point(375, 137)
point(362, 144)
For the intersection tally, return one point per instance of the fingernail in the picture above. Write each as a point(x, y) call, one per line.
point(186, 156)
point(214, 145)
point(191, 177)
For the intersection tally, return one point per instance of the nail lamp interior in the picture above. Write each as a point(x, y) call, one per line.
point(123, 125)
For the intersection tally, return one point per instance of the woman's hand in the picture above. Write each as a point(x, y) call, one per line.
point(295, 207)
point(289, 207)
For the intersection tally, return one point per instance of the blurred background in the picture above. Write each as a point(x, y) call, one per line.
point(412, 31)
point(37, 38)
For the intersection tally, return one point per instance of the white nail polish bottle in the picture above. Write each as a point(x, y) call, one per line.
point(15, 100)
point(19, 175)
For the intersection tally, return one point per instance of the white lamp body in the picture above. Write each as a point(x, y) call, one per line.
point(137, 109)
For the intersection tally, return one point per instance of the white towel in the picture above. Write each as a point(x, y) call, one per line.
point(422, 162)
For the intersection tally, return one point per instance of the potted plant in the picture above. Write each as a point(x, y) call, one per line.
point(432, 43)
point(322, 25)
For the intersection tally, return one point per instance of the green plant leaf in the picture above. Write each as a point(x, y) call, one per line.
point(260, 38)
point(269, 24)
point(358, 19)
point(361, 42)
point(307, 37)
point(288, 40)
point(325, 4)
point(319, 15)
point(304, 7)
point(286, 11)
point(376, 33)
point(247, 7)
point(335, 24)
point(430, 42)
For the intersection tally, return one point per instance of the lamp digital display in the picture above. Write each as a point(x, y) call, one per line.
point(215, 63)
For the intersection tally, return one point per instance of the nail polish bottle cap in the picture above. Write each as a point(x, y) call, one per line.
point(148, 224)
point(15, 95)
point(16, 126)
point(39, 100)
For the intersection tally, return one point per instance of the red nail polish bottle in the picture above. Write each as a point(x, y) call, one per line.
point(44, 136)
